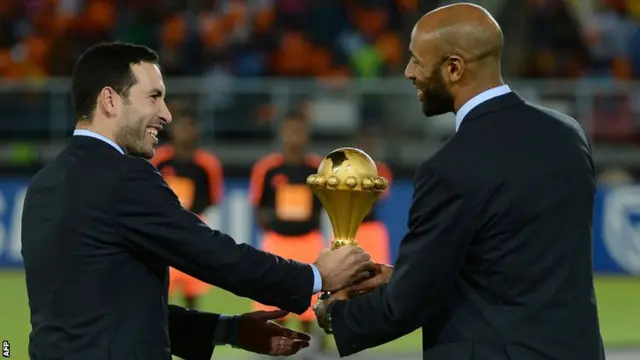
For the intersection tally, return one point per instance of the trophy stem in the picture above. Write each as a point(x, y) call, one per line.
point(336, 244)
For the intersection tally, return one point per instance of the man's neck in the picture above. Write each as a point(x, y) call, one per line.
point(183, 152)
point(92, 131)
point(293, 156)
point(471, 92)
point(96, 129)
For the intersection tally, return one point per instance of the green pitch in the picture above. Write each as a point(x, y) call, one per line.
point(618, 299)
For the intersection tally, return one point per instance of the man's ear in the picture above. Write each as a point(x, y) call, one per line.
point(109, 101)
point(455, 67)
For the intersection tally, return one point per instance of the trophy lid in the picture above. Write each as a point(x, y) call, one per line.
point(348, 168)
point(347, 184)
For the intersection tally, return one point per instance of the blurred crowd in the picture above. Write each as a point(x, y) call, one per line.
point(564, 41)
point(245, 38)
point(223, 40)
point(309, 38)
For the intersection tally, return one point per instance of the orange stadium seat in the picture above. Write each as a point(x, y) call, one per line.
point(292, 59)
point(211, 29)
point(100, 14)
point(621, 68)
point(264, 19)
point(237, 14)
point(173, 31)
point(390, 46)
point(407, 5)
point(6, 63)
point(320, 61)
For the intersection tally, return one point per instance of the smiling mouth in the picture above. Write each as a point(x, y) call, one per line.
point(153, 132)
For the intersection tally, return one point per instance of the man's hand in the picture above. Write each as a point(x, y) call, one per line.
point(343, 267)
point(382, 273)
point(257, 333)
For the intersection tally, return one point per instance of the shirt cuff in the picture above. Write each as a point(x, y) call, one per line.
point(317, 279)
point(220, 330)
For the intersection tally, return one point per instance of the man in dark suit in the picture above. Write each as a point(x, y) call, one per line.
point(497, 261)
point(100, 228)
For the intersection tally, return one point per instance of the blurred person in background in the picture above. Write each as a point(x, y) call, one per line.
point(196, 177)
point(287, 211)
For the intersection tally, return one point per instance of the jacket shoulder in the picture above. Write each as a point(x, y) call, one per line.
point(84, 167)
point(565, 120)
point(137, 168)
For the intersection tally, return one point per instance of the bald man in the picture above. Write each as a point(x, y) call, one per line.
point(496, 263)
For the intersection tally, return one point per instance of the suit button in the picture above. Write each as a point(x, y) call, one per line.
point(294, 298)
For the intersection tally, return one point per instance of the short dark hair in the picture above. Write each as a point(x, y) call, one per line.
point(102, 65)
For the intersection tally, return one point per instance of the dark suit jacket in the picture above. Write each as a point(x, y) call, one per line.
point(497, 262)
point(99, 230)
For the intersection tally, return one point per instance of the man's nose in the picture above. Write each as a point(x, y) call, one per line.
point(165, 114)
point(408, 73)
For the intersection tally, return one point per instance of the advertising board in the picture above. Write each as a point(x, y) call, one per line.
point(616, 222)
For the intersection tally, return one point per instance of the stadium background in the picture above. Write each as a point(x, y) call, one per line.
point(242, 64)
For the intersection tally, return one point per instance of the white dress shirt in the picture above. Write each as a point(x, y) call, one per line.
point(479, 99)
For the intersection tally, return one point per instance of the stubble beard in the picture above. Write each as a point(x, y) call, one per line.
point(131, 135)
point(436, 99)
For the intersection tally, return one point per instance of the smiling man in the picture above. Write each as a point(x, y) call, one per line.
point(100, 227)
point(496, 263)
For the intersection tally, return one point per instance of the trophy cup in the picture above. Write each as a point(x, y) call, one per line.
point(347, 184)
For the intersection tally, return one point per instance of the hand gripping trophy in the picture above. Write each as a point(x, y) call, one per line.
point(347, 184)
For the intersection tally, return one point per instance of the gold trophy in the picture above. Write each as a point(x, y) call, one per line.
point(347, 184)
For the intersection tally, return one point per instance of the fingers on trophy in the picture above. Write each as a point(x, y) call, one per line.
point(347, 184)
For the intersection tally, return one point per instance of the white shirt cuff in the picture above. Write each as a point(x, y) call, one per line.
point(317, 280)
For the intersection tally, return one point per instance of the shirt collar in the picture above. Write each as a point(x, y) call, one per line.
point(479, 99)
point(84, 132)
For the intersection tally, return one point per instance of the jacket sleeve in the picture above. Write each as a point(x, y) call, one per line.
point(191, 333)
point(430, 255)
point(155, 224)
